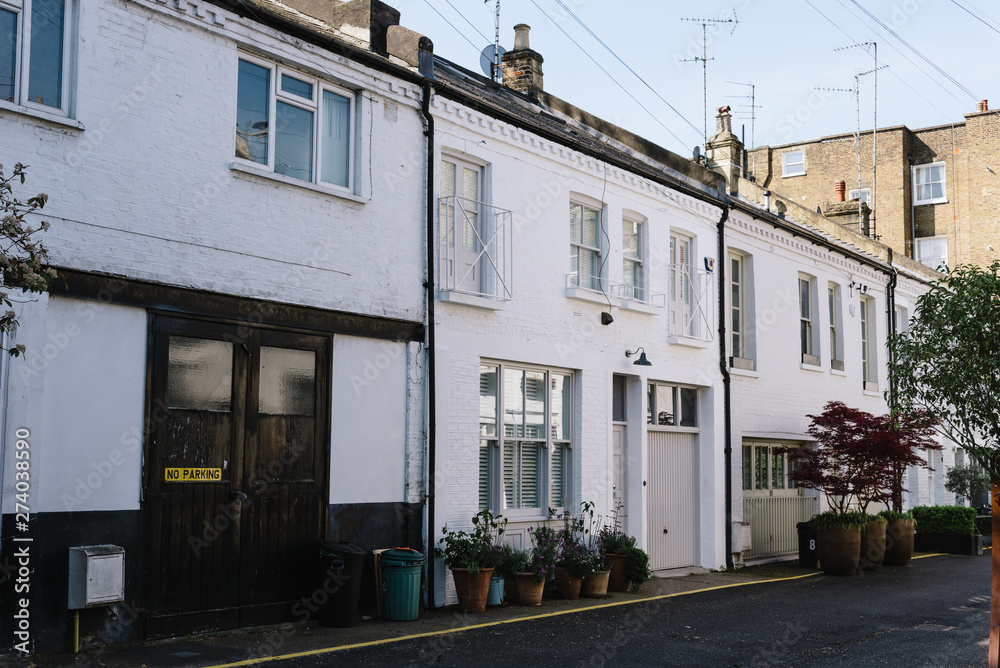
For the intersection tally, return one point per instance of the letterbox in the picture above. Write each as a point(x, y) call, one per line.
point(96, 576)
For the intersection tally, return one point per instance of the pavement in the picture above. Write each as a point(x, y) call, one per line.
point(310, 644)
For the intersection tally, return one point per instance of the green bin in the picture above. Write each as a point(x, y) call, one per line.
point(401, 570)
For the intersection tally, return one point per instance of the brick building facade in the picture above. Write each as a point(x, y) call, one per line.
point(932, 185)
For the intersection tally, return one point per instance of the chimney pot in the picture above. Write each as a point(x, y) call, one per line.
point(521, 36)
point(841, 189)
point(983, 106)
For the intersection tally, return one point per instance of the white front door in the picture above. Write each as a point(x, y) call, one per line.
point(619, 473)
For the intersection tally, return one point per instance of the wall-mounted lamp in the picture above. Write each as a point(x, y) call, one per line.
point(642, 361)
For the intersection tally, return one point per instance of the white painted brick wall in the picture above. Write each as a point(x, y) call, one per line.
point(146, 190)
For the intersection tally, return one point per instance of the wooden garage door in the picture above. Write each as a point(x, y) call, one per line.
point(673, 499)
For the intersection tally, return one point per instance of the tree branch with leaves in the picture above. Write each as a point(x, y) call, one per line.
point(23, 258)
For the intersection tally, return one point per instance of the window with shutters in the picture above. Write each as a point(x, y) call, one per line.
point(585, 234)
point(525, 439)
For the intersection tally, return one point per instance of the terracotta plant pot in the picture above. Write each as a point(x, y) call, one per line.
point(898, 543)
point(618, 580)
point(595, 585)
point(473, 588)
point(839, 550)
point(567, 586)
point(529, 589)
point(873, 546)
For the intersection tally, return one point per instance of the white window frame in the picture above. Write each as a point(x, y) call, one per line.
point(640, 291)
point(808, 321)
point(916, 169)
point(597, 280)
point(690, 295)
point(932, 261)
point(835, 312)
point(862, 194)
point(742, 350)
point(901, 319)
point(793, 163)
point(750, 453)
point(276, 94)
point(495, 445)
point(869, 351)
point(655, 422)
point(22, 57)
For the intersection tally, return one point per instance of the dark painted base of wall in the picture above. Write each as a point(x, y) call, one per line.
point(374, 526)
point(949, 543)
point(51, 623)
point(367, 525)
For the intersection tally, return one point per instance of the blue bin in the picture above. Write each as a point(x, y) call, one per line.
point(401, 571)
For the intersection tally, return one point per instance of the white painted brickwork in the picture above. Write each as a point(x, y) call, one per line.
point(146, 190)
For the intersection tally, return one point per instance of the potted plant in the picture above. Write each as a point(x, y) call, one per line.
point(859, 459)
point(472, 558)
point(501, 573)
point(898, 537)
point(514, 561)
point(546, 552)
point(950, 529)
point(637, 567)
point(614, 544)
point(595, 581)
point(838, 540)
point(873, 543)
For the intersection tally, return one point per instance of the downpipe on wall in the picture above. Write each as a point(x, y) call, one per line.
point(726, 395)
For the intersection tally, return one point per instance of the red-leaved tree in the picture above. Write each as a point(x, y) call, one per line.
point(860, 458)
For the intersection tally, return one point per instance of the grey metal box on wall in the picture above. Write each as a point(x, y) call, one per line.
point(96, 576)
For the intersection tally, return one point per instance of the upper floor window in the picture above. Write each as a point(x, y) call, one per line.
point(525, 431)
point(869, 361)
point(933, 251)
point(294, 125)
point(929, 184)
point(793, 163)
point(34, 53)
point(807, 317)
point(671, 405)
point(741, 312)
point(585, 246)
point(633, 259)
point(901, 320)
point(836, 327)
point(862, 195)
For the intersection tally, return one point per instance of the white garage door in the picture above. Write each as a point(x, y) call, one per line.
point(673, 499)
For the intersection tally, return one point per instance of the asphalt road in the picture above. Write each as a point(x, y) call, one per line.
point(935, 613)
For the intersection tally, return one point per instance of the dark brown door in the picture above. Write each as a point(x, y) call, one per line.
point(235, 474)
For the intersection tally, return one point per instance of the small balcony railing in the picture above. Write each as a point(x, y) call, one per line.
point(691, 313)
point(476, 248)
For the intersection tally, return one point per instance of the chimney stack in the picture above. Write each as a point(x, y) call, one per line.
point(367, 20)
point(841, 189)
point(724, 150)
point(522, 67)
point(983, 106)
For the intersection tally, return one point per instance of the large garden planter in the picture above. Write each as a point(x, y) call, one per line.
point(595, 585)
point(873, 546)
point(529, 589)
point(618, 580)
point(898, 542)
point(567, 585)
point(472, 588)
point(839, 550)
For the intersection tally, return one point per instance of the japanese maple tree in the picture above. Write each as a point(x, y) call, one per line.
point(860, 458)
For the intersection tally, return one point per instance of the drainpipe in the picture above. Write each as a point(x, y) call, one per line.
point(726, 394)
point(890, 301)
point(425, 109)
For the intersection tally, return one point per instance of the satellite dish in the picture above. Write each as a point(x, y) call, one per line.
point(488, 57)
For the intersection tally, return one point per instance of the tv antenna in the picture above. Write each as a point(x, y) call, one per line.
point(489, 58)
point(873, 71)
point(753, 106)
point(857, 138)
point(704, 59)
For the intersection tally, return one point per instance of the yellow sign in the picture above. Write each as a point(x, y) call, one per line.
point(192, 475)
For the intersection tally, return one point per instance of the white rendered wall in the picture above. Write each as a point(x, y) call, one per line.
point(146, 190)
point(369, 442)
point(536, 179)
point(79, 391)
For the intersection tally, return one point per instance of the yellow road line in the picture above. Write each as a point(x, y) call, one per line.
point(428, 634)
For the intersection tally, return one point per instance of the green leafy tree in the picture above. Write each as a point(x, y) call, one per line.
point(22, 256)
point(946, 363)
point(967, 480)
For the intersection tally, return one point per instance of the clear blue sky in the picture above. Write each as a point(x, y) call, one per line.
point(785, 47)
